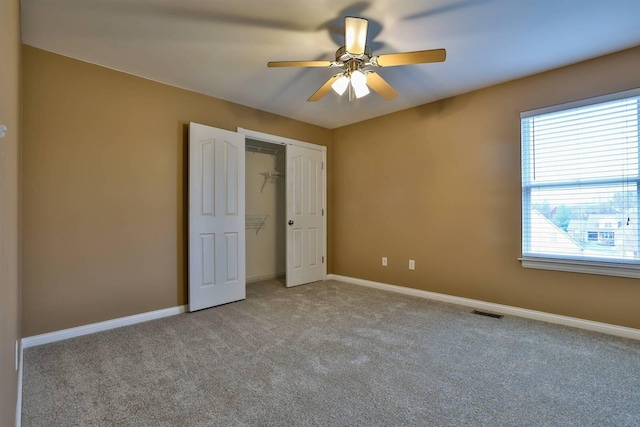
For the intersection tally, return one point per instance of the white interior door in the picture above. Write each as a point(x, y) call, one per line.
point(216, 217)
point(305, 215)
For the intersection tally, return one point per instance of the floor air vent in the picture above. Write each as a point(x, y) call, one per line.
point(484, 313)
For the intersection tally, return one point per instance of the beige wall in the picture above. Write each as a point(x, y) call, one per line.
point(104, 188)
point(9, 206)
point(440, 184)
point(103, 193)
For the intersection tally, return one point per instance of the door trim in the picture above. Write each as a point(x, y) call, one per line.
point(281, 140)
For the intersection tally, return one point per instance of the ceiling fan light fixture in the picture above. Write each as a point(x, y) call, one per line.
point(340, 85)
point(359, 84)
point(355, 60)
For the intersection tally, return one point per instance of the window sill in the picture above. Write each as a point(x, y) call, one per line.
point(586, 267)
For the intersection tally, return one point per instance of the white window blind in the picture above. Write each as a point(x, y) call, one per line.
point(580, 181)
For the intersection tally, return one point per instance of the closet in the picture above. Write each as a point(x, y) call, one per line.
point(257, 206)
point(265, 207)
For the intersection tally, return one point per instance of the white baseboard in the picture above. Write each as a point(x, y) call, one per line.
point(266, 277)
point(19, 395)
point(589, 325)
point(78, 331)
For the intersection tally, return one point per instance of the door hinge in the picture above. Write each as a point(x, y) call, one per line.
point(322, 165)
point(323, 260)
point(322, 212)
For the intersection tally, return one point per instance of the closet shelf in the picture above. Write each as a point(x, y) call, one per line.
point(270, 177)
point(255, 222)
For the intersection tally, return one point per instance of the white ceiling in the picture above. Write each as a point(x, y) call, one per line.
point(221, 47)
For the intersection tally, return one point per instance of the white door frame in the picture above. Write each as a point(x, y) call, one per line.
point(280, 140)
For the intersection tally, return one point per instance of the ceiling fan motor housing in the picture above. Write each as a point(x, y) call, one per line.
point(343, 56)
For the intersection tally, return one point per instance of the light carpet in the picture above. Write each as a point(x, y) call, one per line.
point(334, 354)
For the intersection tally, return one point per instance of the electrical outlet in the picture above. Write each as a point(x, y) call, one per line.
point(412, 264)
point(384, 261)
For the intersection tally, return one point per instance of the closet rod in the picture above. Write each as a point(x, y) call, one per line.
point(260, 149)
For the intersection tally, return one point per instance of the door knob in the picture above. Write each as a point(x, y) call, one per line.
point(290, 222)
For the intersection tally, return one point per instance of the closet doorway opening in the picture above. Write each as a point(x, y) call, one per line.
point(274, 225)
point(286, 195)
point(265, 207)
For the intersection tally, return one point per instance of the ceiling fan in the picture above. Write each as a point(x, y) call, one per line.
point(354, 59)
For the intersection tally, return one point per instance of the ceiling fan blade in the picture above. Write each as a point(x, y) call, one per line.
point(408, 58)
point(380, 86)
point(355, 35)
point(324, 89)
point(299, 64)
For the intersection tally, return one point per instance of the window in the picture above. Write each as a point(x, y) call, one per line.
point(581, 186)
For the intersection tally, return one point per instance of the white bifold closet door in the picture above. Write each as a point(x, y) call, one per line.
point(216, 217)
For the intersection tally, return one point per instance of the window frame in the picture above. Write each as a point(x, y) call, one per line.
point(608, 267)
